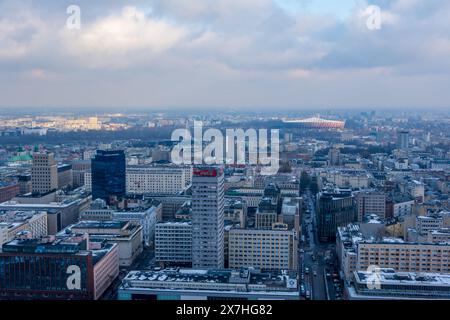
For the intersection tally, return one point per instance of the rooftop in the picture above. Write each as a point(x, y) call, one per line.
point(269, 281)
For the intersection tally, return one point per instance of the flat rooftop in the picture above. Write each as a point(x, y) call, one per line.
point(389, 276)
point(100, 225)
point(270, 281)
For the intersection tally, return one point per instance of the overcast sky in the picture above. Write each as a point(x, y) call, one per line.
point(258, 54)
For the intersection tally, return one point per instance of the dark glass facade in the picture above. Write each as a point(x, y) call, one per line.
point(334, 210)
point(44, 276)
point(108, 175)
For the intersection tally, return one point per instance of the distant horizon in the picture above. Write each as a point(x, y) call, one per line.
point(218, 109)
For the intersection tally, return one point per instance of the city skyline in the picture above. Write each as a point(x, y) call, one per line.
point(228, 156)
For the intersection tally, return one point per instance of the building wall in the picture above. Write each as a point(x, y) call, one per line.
point(208, 218)
point(9, 192)
point(370, 203)
point(266, 249)
point(44, 173)
point(173, 243)
point(405, 257)
point(105, 272)
point(334, 211)
point(157, 180)
point(65, 178)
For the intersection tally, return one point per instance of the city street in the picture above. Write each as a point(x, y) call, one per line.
point(313, 257)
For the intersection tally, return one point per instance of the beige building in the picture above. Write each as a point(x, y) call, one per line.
point(13, 222)
point(265, 220)
point(128, 237)
point(44, 173)
point(370, 202)
point(404, 257)
point(357, 250)
point(264, 249)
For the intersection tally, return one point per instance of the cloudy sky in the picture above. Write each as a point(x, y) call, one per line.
point(225, 54)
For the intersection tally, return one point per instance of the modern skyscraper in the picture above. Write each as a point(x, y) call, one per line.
point(208, 217)
point(108, 174)
point(44, 173)
point(335, 209)
point(403, 140)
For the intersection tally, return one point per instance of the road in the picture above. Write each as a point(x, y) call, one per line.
point(313, 255)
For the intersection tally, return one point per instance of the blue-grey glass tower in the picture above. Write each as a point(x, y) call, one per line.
point(108, 174)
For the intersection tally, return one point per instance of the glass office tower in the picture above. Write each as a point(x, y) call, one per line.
point(108, 175)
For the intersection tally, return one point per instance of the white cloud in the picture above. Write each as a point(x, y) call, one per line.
point(122, 40)
point(19, 36)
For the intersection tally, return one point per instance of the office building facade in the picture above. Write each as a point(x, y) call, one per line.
point(208, 217)
point(108, 175)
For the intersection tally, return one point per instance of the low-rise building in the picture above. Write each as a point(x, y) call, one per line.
point(388, 284)
point(75, 271)
point(127, 236)
point(14, 222)
point(193, 284)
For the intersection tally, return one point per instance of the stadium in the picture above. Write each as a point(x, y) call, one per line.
point(316, 123)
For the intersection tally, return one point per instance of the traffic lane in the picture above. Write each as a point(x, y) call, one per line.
point(319, 283)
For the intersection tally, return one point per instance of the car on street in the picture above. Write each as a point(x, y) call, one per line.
point(315, 274)
point(308, 295)
point(302, 290)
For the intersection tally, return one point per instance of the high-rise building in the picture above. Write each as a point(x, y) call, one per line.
point(403, 140)
point(108, 174)
point(335, 209)
point(44, 173)
point(208, 217)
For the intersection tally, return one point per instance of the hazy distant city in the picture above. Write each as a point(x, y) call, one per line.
point(185, 151)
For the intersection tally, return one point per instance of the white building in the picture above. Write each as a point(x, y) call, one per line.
point(393, 285)
point(173, 242)
point(13, 222)
point(152, 179)
point(265, 249)
point(158, 179)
